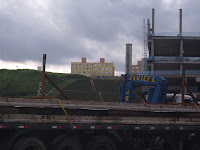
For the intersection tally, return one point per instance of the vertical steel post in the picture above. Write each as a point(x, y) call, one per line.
point(153, 19)
point(148, 27)
point(183, 85)
point(180, 22)
point(190, 92)
point(43, 75)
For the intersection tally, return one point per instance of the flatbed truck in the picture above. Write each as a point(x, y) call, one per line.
point(49, 124)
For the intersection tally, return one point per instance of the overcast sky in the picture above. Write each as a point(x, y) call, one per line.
point(67, 30)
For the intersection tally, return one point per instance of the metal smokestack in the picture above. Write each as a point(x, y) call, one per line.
point(180, 21)
point(153, 14)
point(128, 59)
point(148, 27)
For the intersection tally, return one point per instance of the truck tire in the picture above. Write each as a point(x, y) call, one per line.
point(29, 143)
point(101, 143)
point(69, 143)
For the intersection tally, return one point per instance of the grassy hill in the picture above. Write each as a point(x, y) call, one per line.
point(79, 90)
point(24, 82)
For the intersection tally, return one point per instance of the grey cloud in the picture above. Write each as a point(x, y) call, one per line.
point(30, 28)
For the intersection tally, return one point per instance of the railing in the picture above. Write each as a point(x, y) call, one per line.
point(170, 72)
point(177, 88)
point(177, 34)
point(173, 58)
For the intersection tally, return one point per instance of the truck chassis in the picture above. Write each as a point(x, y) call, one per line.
point(41, 124)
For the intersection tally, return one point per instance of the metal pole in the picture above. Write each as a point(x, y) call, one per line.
point(153, 13)
point(180, 22)
point(119, 79)
point(194, 99)
point(183, 85)
point(43, 75)
point(57, 88)
point(148, 27)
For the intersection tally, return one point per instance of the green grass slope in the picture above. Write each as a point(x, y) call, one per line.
point(24, 82)
point(81, 90)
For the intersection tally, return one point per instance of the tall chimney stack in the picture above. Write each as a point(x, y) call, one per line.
point(180, 21)
point(148, 27)
point(153, 13)
point(128, 59)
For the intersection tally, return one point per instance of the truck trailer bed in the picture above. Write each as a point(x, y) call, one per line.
point(23, 111)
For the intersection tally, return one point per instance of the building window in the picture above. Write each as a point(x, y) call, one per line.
point(76, 68)
point(99, 68)
point(76, 64)
point(98, 64)
point(95, 68)
point(87, 68)
point(83, 68)
point(110, 69)
point(102, 68)
point(110, 72)
point(72, 64)
point(102, 64)
point(87, 71)
point(73, 72)
point(87, 65)
point(79, 68)
point(79, 72)
point(106, 65)
point(95, 64)
point(106, 68)
point(83, 71)
point(83, 64)
point(79, 64)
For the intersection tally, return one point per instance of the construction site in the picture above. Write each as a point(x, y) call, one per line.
point(169, 52)
point(131, 112)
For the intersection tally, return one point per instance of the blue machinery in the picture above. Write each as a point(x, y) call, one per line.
point(157, 88)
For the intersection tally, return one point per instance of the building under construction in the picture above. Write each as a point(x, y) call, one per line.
point(170, 52)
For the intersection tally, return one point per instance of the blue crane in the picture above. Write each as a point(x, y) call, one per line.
point(157, 88)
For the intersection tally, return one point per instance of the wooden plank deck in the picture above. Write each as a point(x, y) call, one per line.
point(30, 118)
point(91, 105)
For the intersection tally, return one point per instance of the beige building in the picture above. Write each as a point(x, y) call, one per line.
point(137, 68)
point(93, 69)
